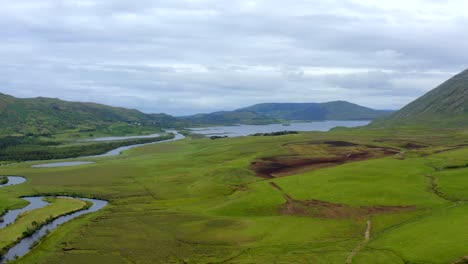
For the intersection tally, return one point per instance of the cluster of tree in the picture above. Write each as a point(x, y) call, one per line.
point(456, 166)
point(279, 133)
point(15, 141)
point(3, 180)
point(30, 230)
point(217, 137)
point(38, 151)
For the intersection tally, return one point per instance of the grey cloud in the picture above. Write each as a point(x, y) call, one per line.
point(184, 57)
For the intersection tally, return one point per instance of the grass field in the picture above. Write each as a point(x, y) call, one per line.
point(200, 201)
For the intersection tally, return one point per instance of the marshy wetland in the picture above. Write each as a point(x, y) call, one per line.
point(337, 197)
point(16, 244)
point(25, 241)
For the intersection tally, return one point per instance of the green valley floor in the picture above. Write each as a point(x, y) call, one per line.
point(347, 196)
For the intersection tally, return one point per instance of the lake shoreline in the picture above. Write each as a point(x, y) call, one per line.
point(248, 130)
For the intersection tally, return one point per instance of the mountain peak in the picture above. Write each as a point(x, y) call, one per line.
point(446, 104)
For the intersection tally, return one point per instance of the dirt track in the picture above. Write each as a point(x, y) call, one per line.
point(349, 260)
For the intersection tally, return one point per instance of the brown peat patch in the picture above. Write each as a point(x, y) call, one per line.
point(334, 153)
point(323, 209)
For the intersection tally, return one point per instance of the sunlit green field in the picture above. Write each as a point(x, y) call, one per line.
point(198, 201)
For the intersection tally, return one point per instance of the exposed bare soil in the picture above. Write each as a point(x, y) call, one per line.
point(413, 145)
point(280, 166)
point(323, 209)
point(463, 260)
point(340, 143)
point(349, 260)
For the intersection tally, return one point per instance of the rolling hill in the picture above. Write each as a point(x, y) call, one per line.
point(45, 116)
point(269, 113)
point(336, 110)
point(228, 118)
point(48, 116)
point(444, 106)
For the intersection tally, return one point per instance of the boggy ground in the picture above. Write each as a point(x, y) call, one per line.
point(198, 201)
point(332, 153)
point(323, 209)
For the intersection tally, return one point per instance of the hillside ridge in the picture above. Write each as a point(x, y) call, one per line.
point(445, 105)
point(42, 116)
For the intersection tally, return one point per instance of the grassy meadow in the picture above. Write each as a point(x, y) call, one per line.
point(201, 200)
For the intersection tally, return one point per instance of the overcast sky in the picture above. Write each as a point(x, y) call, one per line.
point(190, 56)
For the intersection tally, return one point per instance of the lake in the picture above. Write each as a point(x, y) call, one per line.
point(62, 164)
point(245, 130)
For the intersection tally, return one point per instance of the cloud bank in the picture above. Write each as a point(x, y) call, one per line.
point(189, 56)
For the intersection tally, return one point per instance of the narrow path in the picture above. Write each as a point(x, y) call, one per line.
point(285, 195)
point(349, 260)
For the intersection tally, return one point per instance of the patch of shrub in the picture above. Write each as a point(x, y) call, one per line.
point(272, 134)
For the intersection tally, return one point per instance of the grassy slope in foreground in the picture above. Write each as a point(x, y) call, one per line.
point(196, 201)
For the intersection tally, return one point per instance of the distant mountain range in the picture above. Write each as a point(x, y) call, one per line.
point(445, 106)
point(336, 110)
point(45, 116)
point(285, 112)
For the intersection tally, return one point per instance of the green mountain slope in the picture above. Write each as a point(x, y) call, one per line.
point(446, 105)
point(228, 118)
point(337, 110)
point(45, 116)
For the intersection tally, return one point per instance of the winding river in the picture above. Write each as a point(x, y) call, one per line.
point(36, 202)
point(13, 180)
point(119, 151)
point(114, 152)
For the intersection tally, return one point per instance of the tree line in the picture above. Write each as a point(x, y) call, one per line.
point(27, 150)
